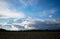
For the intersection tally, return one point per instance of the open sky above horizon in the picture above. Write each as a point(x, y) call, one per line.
point(26, 9)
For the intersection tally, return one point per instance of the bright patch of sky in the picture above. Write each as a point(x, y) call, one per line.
point(18, 11)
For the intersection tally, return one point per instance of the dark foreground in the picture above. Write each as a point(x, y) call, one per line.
point(30, 35)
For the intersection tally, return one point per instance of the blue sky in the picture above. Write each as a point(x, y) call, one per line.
point(17, 11)
point(37, 8)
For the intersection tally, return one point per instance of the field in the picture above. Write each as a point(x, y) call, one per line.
point(29, 35)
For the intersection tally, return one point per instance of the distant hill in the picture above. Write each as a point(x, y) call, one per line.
point(3, 30)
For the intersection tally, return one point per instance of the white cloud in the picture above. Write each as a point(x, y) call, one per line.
point(26, 23)
point(50, 16)
point(26, 3)
point(52, 11)
point(11, 14)
point(5, 12)
point(13, 28)
point(48, 13)
point(9, 27)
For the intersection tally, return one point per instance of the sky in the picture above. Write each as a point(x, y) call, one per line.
point(29, 14)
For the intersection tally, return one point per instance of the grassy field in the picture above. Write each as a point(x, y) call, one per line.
point(29, 35)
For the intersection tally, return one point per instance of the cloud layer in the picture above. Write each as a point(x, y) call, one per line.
point(40, 24)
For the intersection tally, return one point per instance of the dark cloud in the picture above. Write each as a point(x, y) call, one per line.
point(46, 24)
